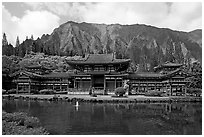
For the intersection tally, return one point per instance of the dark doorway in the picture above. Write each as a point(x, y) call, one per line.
point(98, 81)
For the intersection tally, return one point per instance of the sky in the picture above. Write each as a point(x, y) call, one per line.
point(37, 18)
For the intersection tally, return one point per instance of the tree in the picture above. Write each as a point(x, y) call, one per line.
point(195, 81)
point(120, 91)
point(7, 49)
point(17, 46)
point(178, 53)
point(31, 37)
point(170, 51)
point(4, 45)
point(4, 40)
point(17, 42)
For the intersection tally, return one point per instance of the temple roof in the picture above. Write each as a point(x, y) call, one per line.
point(50, 75)
point(37, 66)
point(155, 75)
point(145, 75)
point(99, 59)
point(168, 65)
point(171, 65)
point(57, 75)
point(20, 72)
point(99, 73)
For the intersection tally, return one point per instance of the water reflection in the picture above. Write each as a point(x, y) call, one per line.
point(65, 118)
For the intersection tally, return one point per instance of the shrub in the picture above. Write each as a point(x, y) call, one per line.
point(34, 91)
point(20, 124)
point(23, 91)
point(94, 95)
point(35, 131)
point(11, 91)
point(31, 122)
point(47, 91)
point(154, 93)
point(18, 117)
point(4, 91)
point(12, 128)
point(120, 91)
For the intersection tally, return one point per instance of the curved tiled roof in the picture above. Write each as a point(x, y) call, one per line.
point(37, 66)
point(145, 75)
point(155, 75)
point(168, 64)
point(99, 59)
point(171, 65)
point(57, 75)
point(50, 75)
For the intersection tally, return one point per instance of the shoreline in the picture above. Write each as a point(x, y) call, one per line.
point(103, 98)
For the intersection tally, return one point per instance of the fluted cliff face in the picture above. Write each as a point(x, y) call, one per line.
point(143, 44)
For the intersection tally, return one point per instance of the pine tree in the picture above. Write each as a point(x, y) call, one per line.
point(7, 49)
point(17, 46)
point(32, 37)
point(4, 45)
point(4, 40)
point(17, 42)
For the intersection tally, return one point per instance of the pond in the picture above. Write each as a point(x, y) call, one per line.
point(62, 118)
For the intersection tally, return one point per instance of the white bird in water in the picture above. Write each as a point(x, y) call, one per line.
point(77, 104)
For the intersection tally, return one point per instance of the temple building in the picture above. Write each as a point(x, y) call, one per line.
point(37, 77)
point(104, 73)
point(168, 77)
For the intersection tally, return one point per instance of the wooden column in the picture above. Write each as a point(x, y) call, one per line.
point(115, 82)
point(81, 83)
point(60, 84)
point(185, 90)
point(169, 107)
point(74, 82)
point(67, 85)
point(29, 87)
point(163, 87)
point(104, 88)
point(17, 88)
point(170, 89)
point(166, 107)
point(155, 86)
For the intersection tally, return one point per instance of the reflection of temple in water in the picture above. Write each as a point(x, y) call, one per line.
point(161, 118)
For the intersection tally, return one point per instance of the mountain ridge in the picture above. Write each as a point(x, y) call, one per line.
point(145, 45)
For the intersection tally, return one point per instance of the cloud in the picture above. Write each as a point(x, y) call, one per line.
point(70, 11)
point(183, 16)
point(169, 15)
point(43, 17)
point(33, 23)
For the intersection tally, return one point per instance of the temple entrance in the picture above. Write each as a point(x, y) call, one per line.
point(98, 83)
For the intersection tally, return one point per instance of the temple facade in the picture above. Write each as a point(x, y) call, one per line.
point(104, 73)
point(36, 77)
point(168, 77)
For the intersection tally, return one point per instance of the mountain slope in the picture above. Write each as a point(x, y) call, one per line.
point(145, 45)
